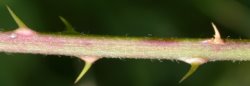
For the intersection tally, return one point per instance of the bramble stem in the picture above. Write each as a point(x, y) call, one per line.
point(123, 47)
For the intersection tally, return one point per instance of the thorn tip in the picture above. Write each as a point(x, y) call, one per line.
point(86, 67)
point(69, 27)
point(89, 60)
point(216, 31)
point(193, 68)
point(195, 63)
point(19, 22)
point(217, 37)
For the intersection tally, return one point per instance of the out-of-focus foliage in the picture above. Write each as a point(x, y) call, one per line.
point(141, 18)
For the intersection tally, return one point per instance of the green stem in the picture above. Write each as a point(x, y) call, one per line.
point(123, 47)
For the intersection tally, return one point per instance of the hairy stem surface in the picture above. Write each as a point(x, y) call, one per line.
point(118, 47)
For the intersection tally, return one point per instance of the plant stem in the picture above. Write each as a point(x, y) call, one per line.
point(123, 47)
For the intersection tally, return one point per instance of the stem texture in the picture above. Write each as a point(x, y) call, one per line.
point(123, 47)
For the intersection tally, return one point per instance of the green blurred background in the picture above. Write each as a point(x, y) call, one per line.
point(140, 18)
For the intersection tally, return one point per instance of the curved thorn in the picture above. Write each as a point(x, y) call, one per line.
point(89, 60)
point(195, 63)
point(216, 31)
point(84, 70)
point(69, 27)
point(217, 36)
point(19, 22)
point(193, 68)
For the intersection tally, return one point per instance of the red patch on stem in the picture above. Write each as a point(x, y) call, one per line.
point(159, 42)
